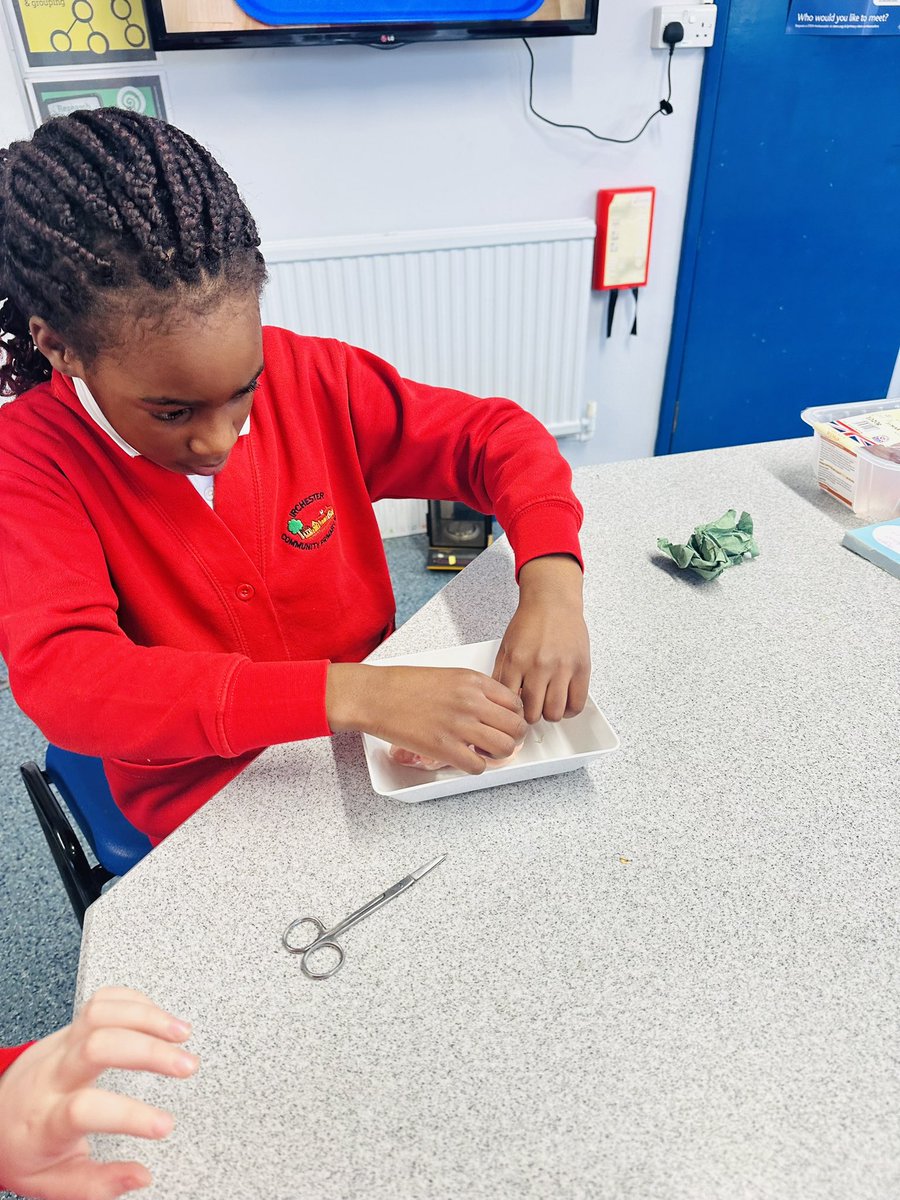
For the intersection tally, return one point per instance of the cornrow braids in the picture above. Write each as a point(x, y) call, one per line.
point(102, 212)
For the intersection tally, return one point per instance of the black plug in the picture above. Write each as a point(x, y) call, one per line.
point(672, 35)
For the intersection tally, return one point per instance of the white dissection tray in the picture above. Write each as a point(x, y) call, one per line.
point(550, 747)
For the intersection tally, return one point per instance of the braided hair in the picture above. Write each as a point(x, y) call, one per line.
point(102, 213)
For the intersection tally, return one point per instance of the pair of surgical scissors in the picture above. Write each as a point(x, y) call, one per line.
point(325, 938)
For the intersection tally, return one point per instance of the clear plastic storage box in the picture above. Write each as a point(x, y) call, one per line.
point(864, 482)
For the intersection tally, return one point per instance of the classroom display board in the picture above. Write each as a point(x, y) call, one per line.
point(55, 39)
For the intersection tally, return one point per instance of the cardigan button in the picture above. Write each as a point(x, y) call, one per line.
point(245, 591)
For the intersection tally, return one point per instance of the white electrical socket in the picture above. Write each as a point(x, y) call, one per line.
point(699, 21)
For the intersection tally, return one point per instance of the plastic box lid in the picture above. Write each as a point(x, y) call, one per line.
point(834, 412)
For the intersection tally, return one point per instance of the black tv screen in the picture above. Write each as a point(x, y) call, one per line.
point(246, 24)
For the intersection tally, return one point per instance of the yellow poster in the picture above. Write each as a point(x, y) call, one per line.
point(56, 32)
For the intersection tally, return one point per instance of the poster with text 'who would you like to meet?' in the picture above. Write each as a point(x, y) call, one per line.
point(59, 97)
point(847, 17)
point(74, 32)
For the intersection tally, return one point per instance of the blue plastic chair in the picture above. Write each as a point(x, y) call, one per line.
point(116, 844)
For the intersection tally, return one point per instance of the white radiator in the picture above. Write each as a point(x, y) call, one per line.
point(497, 310)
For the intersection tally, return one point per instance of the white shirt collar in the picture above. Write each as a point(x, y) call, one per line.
point(93, 410)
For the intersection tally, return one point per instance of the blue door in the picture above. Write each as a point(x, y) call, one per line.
point(789, 285)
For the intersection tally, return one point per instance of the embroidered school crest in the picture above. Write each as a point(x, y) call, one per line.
point(311, 522)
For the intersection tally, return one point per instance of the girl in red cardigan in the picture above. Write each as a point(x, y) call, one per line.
point(183, 581)
point(49, 1104)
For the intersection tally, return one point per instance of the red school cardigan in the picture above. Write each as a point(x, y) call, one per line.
point(175, 641)
point(8, 1055)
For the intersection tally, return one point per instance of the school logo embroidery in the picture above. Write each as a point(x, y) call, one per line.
point(311, 523)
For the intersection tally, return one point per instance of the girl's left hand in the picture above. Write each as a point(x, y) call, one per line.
point(545, 653)
point(49, 1103)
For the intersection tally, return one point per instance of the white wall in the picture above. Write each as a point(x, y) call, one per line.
point(344, 140)
point(15, 121)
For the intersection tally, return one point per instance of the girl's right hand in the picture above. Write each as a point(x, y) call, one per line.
point(439, 712)
point(48, 1102)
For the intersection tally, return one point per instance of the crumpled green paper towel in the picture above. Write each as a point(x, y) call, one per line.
point(713, 547)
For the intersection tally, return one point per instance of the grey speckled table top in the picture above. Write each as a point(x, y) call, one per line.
point(717, 1016)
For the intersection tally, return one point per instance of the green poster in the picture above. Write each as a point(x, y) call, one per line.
point(142, 94)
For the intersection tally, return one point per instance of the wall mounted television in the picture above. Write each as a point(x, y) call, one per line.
point(251, 24)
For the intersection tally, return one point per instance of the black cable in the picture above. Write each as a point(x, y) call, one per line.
point(665, 106)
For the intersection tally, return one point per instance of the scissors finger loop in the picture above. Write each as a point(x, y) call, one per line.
point(286, 936)
point(312, 951)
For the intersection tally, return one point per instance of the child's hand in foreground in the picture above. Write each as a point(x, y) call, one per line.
point(438, 712)
point(545, 652)
point(48, 1103)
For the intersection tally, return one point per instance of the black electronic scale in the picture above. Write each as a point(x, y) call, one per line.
point(456, 535)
